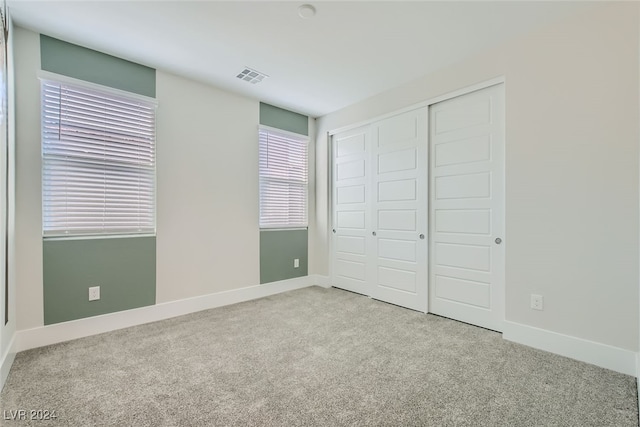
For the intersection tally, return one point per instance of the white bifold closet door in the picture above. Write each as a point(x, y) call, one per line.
point(351, 214)
point(467, 208)
point(399, 210)
point(380, 195)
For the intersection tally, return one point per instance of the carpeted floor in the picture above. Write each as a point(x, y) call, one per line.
point(312, 357)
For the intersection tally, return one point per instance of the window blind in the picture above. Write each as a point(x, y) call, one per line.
point(283, 179)
point(98, 152)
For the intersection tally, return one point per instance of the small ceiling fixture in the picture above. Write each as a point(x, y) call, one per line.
point(306, 11)
point(251, 76)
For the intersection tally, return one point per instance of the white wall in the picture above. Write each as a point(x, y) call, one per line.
point(207, 200)
point(571, 170)
point(207, 180)
point(29, 298)
point(7, 331)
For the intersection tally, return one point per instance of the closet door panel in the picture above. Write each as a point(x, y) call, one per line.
point(399, 210)
point(351, 210)
point(467, 207)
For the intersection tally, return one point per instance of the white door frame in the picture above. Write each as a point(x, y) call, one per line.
point(449, 95)
point(453, 94)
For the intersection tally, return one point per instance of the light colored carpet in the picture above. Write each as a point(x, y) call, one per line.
point(313, 357)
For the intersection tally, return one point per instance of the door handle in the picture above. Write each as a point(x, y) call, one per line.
point(334, 231)
point(498, 240)
point(421, 236)
point(373, 233)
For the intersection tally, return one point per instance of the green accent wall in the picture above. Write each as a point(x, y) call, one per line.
point(89, 65)
point(124, 268)
point(283, 119)
point(278, 249)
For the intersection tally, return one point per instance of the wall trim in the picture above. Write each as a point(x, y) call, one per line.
point(7, 361)
point(320, 280)
point(603, 355)
point(74, 329)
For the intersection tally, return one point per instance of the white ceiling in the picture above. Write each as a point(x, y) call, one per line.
point(348, 52)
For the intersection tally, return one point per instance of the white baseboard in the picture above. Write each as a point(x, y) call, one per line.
point(603, 355)
point(65, 331)
point(320, 280)
point(616, 359)
point(7, 361)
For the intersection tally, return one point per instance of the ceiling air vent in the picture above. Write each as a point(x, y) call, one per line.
point(251, 76)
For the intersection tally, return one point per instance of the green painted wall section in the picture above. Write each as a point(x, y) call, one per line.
point(283, 119)
point(278, 249)
point(89, 65)
point(124, 268)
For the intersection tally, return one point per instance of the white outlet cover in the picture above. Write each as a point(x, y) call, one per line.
point(537, 302)
point(94, 293)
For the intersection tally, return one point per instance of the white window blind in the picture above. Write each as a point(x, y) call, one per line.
point(98, 152)
point(283, 179)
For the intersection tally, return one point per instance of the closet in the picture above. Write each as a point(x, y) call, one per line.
point(380, 195)
point(418, 208)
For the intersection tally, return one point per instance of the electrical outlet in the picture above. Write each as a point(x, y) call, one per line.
point(94, 293)
point(296, 263)
point(537, 302)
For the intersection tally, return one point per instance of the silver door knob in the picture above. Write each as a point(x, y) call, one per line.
point(421, 236)
point(498, 241)
point(334, 231)
point(373, 233)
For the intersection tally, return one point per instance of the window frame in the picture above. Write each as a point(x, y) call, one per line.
point(152, 103)
point(301, 138)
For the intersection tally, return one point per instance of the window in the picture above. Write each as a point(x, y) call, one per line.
point(98, 155)
point(283, 179)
